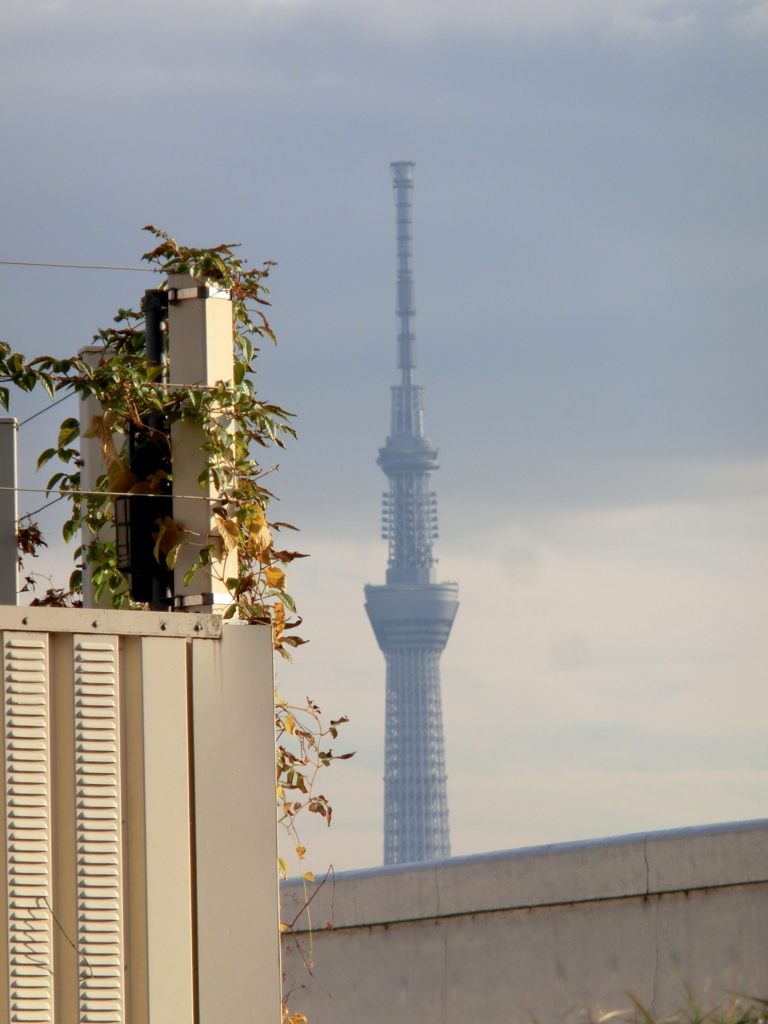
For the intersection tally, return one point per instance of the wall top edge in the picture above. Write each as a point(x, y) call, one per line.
point(551, 849)
point(109, 621)
point(643, 864)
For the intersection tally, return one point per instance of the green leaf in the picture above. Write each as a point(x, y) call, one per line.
point(173, 554)
point(46, 457)
point(69, 529)
point(68, 431)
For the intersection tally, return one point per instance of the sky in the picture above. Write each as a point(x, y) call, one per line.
point(591, 265)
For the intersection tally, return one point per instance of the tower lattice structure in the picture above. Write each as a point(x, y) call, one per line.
point(411, 614)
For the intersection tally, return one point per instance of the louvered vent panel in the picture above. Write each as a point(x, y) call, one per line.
point(28, 825)
point(99, 861)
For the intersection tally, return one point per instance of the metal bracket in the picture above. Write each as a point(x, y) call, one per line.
point(201, 292)
point(201, 600)
point(154, 300)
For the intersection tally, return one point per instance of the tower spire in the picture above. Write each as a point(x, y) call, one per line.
point(411, 614)
point(402, 182)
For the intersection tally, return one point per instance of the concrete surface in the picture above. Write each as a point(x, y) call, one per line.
point(546, 930)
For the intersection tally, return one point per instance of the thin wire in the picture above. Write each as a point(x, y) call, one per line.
point(61, 926)
point(107, 494)
point(41, 411)
point(80, 266)
point(159, 383)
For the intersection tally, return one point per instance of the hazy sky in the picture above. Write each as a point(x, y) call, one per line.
point(591, 260)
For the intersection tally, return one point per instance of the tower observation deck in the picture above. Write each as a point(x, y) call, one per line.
point(411, 614)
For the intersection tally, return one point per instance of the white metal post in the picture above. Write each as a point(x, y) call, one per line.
point(236, 827)
point(200, 352)
point(9, 513)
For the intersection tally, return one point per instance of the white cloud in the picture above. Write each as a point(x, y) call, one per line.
point(401, 17)
point(606, 674)
point(622, 17)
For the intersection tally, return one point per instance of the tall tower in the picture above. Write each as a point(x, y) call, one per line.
point(411, 614)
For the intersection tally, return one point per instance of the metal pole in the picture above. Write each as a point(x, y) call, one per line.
point(155, 308)
point(9, 513)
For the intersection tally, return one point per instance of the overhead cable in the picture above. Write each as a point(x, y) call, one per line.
point(41, 411)
point(79, 266)
point(109, 494)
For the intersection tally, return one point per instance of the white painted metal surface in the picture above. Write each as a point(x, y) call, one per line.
point(139, 833)
point(98, 831)
point(200, 351)
point(26, 684)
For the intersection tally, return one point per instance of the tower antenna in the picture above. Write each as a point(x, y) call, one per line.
point(402, 182)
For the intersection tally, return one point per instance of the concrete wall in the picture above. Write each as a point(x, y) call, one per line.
point(546, 929)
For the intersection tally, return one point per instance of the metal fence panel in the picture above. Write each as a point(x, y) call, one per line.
point(139, 839)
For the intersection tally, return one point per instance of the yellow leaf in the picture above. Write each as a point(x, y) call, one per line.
point(259, 537)
point(280, 793)
point(290, 724)
point(283, 867)
point(119, 477)
point(256, 517)
point(95, 427)
point(103, 427)
point(278, 698)
point(156, 478)
point(300, 851)
point(309, 876)
point(283, 927)
point(230, 532)
point(278, 622)
point(158, 537)
point(258, 540)
point(166, 537)
point(275, 578)
point(151, 485)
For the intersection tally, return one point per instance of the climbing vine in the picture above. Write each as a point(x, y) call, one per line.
point(133, 399)
point(138, 405)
